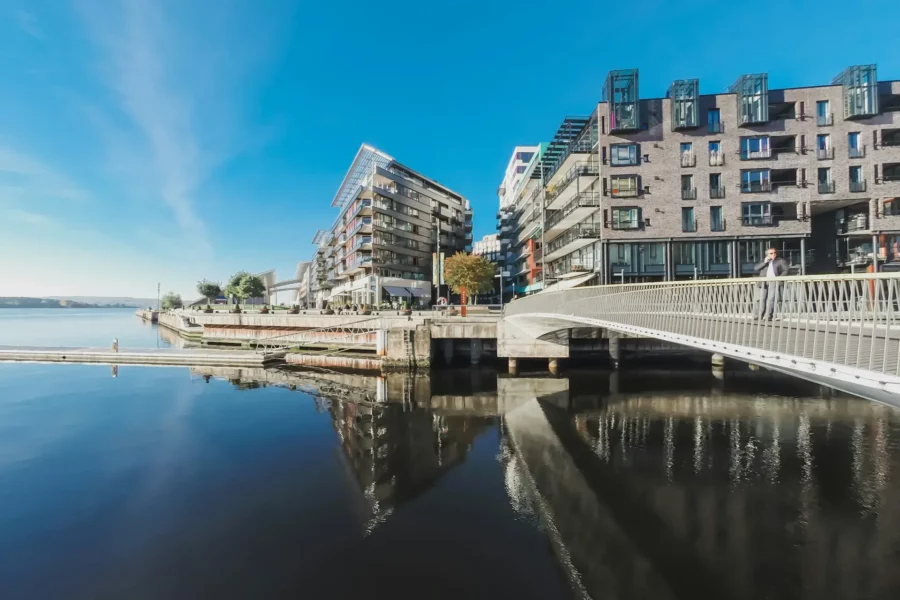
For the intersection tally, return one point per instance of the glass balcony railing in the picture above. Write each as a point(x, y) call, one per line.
point(858, 186)
point(825, 120)
point(583, 231)
point(755, 187)
point(859, 152)
point(826, 187)
point(717, 192)
point(582, 200)
point(824, 153)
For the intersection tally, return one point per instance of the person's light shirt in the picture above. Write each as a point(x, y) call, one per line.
point(770, 272)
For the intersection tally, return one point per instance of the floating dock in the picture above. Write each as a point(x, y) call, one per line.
point(141, 356)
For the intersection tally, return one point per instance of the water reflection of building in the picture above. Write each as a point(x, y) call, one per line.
point(396, 452)
point(718, 495)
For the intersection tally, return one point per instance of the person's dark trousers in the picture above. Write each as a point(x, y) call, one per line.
point(768, 295)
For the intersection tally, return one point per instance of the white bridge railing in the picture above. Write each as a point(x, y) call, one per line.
point(847, 321)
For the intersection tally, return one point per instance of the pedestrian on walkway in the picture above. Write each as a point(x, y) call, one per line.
point(769, 269)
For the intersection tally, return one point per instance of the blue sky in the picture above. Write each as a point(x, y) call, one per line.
point(161, 140)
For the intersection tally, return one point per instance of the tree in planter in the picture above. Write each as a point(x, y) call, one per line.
point(251, 286)
point(468, 274)
point(209, 290)
point(232, 289)
point(172, 300)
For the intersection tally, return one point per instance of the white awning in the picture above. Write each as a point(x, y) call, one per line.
point(570, 282)
point(405, 292)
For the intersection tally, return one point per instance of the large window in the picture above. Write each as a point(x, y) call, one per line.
point(622, 155)
point(755, 147)
point(685, 253)
point(626, 218)
point(757, 213)
point(719, 253)
point(716, 220)
point(756, 180)
point(713, 121)
point(688, 223)
point(524, 156)
point(624, 186)
point(823, 113)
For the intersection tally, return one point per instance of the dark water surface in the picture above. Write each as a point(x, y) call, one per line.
point(245, 483)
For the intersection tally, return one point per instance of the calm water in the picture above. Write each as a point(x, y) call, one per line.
point(228, 483)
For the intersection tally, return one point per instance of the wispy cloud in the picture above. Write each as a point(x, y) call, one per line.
point(17, 215)
point(136, 41)
point(24, 178)
point(28, 23)
point(179, 90)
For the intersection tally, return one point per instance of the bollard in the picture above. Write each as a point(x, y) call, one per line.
point(513, 366)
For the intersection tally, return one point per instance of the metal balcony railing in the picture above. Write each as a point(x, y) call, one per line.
point(825, 120)
point(716, 159)
point(826, 187)
point(715, 127)
point(689, 193)
point(688, 159)
point(582, 200)
point(835, 328)
point(689, 226)
point(859, 152)
point(858, 186)
point(824, 153)
point(576, 233)
point(756, 187)
point(755, 154)
point(758, 220)
point(717, 192)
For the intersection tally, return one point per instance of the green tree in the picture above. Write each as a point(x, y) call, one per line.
point(252, 286)
point(233, 287)
point(209, 290)
point(172, 300)
point(473, 273)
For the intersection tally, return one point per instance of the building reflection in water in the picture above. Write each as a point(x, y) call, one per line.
point(713, 492)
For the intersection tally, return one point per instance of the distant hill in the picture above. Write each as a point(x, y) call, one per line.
point(109, 300)
point(25, 302)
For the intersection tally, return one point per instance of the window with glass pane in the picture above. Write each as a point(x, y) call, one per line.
point(754, 147)
point(719, 253)
point(684, 253)
point(624, 185)
point(715, 181)
point(756, 214)
point(755, 180)
point(713, 119)
point(716, 221)
point(687, 219)
point(687, 148)
point(687, 183)
point(625, 218)
point(822, 142)
point(715, 147)
point(853, 140)
point(623, 154)
point(825, 175)
point(856, 174)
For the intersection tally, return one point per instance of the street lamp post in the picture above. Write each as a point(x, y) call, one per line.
point(501, 275)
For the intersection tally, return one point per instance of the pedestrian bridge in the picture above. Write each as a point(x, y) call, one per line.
point(838, 330)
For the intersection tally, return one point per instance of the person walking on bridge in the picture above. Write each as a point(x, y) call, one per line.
point(769, 269)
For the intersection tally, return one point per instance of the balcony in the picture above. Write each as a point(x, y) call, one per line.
point(575, 211)
point(858, 186)
point(717, 192)
point(689, 193)
point(716, 159)
point(824, 153)
point(689, 226)
point(586, 172)
point(688, 159)
point(826, 187)
point(575, 238)
point(825, 120)
point(756, 187)
point(859, 152)
point(855, 223)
